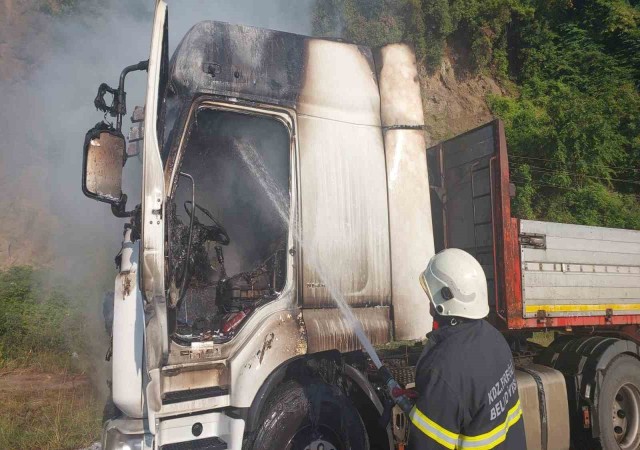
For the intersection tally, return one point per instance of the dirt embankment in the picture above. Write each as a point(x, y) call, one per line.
point(16, 381)
point(454, 101)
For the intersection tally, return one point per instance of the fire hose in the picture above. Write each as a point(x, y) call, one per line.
point(404, 398)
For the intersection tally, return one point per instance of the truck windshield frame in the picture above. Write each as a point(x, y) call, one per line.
point(229, 320)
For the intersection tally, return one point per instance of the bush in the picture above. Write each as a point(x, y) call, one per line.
point(374, 22)
point(327, 18)
point(371, 22)
point(35, 318)
point(415, 31)
point(438, 26)
point(574, 131)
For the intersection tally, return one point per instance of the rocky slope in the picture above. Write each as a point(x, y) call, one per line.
point(455, 102)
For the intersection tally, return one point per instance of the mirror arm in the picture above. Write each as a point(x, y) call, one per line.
point(119, 209)
point(121, 102)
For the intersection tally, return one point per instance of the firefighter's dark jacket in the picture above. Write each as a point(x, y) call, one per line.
point(468, 396)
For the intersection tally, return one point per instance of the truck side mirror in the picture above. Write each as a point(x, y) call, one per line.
point(104, 157)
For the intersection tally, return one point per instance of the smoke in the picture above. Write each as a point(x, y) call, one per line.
point(50, 68)
point(44, 115)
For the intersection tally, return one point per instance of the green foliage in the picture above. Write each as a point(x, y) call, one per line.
point(35, 318)
point(327, 18)
point(574, 131)
point(476, 27)
point(45, 404)
point(438, 25)
point(416, 31)
point(372, 22)
point(574, 127)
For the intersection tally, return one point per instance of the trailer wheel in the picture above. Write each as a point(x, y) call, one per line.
point(619, 405)
point(313, 416)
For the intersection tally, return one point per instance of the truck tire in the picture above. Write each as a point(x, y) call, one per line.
point(619, 405)
point(310, 416)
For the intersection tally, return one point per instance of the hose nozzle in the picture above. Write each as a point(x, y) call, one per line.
point(398, 394)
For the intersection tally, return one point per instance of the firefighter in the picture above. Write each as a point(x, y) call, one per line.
point(467, 391)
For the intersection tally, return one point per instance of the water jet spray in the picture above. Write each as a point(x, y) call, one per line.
point(257, 167)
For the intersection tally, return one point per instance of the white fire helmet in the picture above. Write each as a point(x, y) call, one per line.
point(456, 285)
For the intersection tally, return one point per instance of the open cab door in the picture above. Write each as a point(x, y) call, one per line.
point(152, 260)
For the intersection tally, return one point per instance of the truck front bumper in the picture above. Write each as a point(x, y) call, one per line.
point(210, 430)
point(126, 434)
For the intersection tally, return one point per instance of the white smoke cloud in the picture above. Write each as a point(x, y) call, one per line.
point(44, 217)
point(43, 118)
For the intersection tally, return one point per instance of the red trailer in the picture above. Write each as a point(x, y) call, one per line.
point(581, 281)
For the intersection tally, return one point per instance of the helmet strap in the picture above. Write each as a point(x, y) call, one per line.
point(453, 321)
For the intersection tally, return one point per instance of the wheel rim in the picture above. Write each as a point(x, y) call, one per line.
point(322, 438)
point(626, 417)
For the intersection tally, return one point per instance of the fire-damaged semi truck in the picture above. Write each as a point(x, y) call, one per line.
point(282, 173)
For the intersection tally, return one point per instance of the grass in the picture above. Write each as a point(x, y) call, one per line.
point(47, 401)
point(47, 410)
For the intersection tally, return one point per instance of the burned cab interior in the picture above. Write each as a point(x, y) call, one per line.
point(228, 222)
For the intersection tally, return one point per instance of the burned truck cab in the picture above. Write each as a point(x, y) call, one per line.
point(239, 96)
point(230, 159)
point(281, 174)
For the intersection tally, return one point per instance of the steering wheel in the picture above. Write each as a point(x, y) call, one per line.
point(215, 232)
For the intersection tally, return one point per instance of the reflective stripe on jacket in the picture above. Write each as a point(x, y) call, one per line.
point(468, 395)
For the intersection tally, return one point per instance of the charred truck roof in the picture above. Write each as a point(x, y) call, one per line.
point(254, 64)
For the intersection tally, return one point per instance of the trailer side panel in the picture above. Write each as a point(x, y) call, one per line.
point(579, 271)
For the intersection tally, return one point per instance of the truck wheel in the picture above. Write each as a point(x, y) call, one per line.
point(313, 416)
point(619, 405)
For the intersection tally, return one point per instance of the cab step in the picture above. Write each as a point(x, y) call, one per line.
point(212, 443)
point(169, 398)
